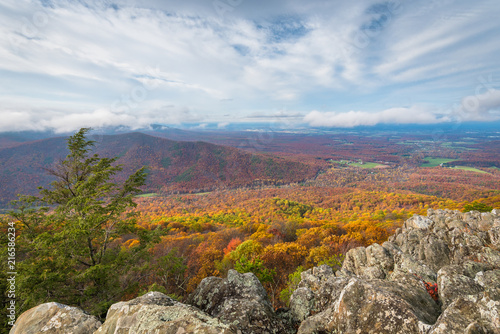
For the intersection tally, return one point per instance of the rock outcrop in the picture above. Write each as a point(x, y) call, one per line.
point(437, 274)
point(157, 313)
point(390, 288)
point(238, 300)
point(55, 318)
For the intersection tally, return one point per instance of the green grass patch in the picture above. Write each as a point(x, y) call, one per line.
point(456, 146)
point(356, 164)
point(434, 162)
point(365, 165)
point(203, 193)
point(470, 169)
point(148, 195)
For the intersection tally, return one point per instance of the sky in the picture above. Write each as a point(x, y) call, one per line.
point(65, 64)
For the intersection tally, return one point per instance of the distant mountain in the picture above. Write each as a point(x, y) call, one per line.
point(11, 139)
point(172, 165)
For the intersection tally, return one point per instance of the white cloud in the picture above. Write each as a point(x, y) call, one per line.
point(483, 107)
point(412, 115)
point(448, 38)
point(61, 121)
point(15, 120)
point(479, 107)
point(222, 125)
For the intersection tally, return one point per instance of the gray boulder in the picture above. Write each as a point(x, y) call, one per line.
point(406, 264)
point(494, 235)
point(158, 313)
point(418, 223)
point(371, 262)
point(317, 290)
point(452, 283)
point(55, 318)
point(238, 300)
point(470, 314)
point(375, 306)
point(387, 289)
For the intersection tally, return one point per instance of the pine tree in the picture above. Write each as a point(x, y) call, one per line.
point(70, 234)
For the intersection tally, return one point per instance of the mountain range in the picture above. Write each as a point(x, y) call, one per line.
point(173, 166)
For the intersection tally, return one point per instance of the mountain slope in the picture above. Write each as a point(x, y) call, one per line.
point(172, 166)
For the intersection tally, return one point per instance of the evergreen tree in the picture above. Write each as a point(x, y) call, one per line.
point(70, 236)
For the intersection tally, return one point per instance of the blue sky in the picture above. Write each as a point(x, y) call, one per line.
point(65, 64)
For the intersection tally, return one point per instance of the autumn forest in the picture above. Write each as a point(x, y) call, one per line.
point(274, 204)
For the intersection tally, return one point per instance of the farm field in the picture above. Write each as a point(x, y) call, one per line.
point(470, 169)
point(434, 162)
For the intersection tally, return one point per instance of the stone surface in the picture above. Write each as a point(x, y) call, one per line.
point(371, 262)
point(494, 235)
point(239, 300)
point(55, 318)
point(375, 306)
point(318, 289)
point(470, 314)
point(405, 263)
point(418, 222)
point(383, 289)
point(452, 283)
point(158, 313)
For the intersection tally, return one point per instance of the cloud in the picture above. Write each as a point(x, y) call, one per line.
point(222, 125)
point(15, 120)
point(482, 107)
point(479, 107)
point(412, 115)
point(453, 38)
point(62, 122)
point(76, 59)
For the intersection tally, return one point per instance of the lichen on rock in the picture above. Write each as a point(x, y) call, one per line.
point(158, 313)
point(239, 300)
point(55, 318)
point(386, 288)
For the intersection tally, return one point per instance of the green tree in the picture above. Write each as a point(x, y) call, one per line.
point(256, 266)
point(70, 235)
point(476, 206)
point(292, 285)
point(170, 271)
point(89, 206)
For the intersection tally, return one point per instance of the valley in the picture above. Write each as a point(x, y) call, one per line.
point(273, 204)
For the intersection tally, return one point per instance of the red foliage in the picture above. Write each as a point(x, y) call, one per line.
point(432, 289)
point(235, 242)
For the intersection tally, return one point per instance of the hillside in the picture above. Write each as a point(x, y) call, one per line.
point(437, 274)
point(173, 166)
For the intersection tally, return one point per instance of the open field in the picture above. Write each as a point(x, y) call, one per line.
point(434, 162)
point(362, 165)
point(148, 195)
point(470, 169)
point(367, 165)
